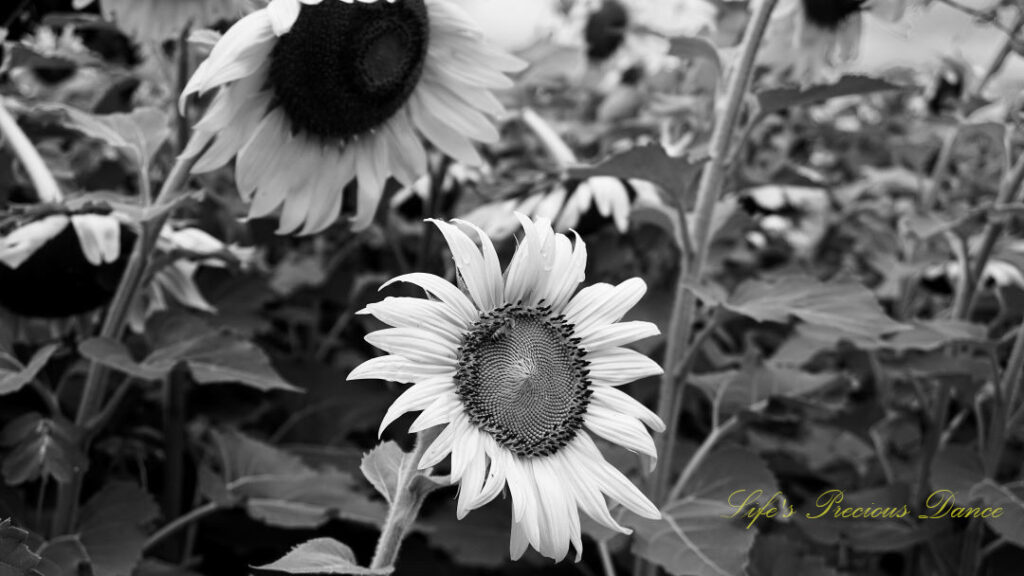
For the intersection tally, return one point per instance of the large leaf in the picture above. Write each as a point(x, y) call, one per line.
point(40, 447)
point(322, 556)
point(113, 528)
point(702, 534)
point(212, 355)
point(1010, 499)
point(138, 134)
point(381, 467)
point(650, 163)
point(778, 555)
point(14, 376)
point(734, 390)
point(846, 307)
point(893, 529)
point(280, 489)
point(776, 99)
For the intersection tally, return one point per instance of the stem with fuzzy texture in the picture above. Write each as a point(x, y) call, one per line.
point(685, 304)
point(113, 326)
point(413, 488)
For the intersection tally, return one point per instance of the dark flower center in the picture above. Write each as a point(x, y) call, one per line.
point(523, 380)
point(830, 14)
point(606, 30)
point(344, 69)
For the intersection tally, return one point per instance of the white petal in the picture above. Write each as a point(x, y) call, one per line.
point(492, 267)
point(617, 366)
point(443, 291)
point(417, 397)
point(602, 304)
point(612, 482)
point(404, 312)
point(618, 334)
point(620, 429)
point(239, 53)
point(442, 411)
point(616, 400)
point(416, 344)
point(20, 245)
point(283, 14)
point(99, 236)
point(396, 369)
point(470, 264)
point(441, 446)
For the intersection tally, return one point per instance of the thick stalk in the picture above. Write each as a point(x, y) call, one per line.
point(42, 179)
point(685, 304)
point(113, 325)
point(412, 490)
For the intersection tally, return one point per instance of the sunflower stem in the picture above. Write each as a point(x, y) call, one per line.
point(42, 179)
point(411, 491)
point(691, 269)
point(113, 326)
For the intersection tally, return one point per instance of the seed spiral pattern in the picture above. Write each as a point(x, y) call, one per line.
point(522, 379)
point(344, 69)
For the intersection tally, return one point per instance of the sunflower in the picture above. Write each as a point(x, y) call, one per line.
point(811, 37)
point(164, 19)
point(570, 205)
point(62, 263)
point(521, 372)
point(318, 93)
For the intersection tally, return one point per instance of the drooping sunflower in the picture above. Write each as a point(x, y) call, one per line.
point(569, 206)
point(63, 262)
point(318, 93)
point(521, 370)
point(164, 19)
point(811, 37)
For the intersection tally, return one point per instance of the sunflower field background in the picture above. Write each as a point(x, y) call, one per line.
point(687, 287)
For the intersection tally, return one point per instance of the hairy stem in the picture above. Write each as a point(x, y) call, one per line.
point(42, 179)
point(113, 325)
point(712, 178)
point(412, 490)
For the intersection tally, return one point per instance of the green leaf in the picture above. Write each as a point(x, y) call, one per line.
point(41, 447)
point(732, 391)
point(114, 526)
point(698, 534)
point(650, 163)
point(819, 523)
point(774, 100)
point(280, 489)
point(14, 376)
point(66, 553)
point(322, 556)
point(381, 467)
point(846, 307)
point(115, 355)
point(1009, 497)
point(16, 559)
point(212, 355)
point(138, 135)
point(779, 555)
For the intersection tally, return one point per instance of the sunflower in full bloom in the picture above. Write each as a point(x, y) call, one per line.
point(164, 19)
point(522, 371)
point(811, 37)
point(318, 93)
